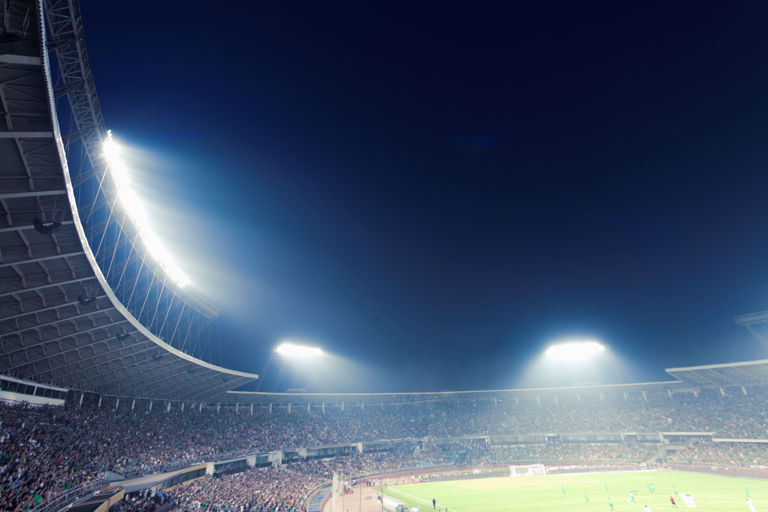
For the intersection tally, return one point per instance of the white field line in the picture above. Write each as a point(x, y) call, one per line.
point(598, 472)
point(423, 500)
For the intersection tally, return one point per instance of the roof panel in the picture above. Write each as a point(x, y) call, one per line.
point(739, 373)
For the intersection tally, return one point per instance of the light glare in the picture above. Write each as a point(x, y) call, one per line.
point(293, 350)
point(574, 351)
point(134, 209)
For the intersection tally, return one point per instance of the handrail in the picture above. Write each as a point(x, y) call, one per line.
point(70, 496)
point(310, 497)
point(180, 464)
point(183, 463)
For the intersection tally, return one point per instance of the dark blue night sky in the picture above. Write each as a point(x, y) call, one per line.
point(434, 193)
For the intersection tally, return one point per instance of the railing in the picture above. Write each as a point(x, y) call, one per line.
point(184, 463)
point(312, 495)
point(159, 468)
point(71, 495)
point(760, 472)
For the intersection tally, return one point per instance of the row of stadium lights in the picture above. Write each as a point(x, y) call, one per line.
point(134, 209)
point(567, 350)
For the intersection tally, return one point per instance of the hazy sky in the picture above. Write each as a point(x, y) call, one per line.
point(432, 194)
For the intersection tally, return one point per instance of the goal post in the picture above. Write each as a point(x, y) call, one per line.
point(527, 470)
point(339, 486)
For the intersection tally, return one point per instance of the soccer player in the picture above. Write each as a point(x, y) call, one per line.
point(672, 502)
point(610, 504)
point(646, 508)
point(434, 504)
point(651, 489)
point(751, 505)
point(688, 500)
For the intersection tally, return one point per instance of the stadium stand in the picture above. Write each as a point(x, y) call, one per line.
point(48, 449)
point(278, 489)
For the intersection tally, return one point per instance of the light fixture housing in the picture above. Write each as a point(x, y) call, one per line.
point(574, 350)
point(295, 351)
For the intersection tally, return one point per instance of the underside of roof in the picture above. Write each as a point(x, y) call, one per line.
point(60, 321)
point(744, 373)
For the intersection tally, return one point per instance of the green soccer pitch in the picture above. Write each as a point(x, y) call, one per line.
point(587, 492)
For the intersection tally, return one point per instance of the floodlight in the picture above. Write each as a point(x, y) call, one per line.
point(574, 350)
point(294, 351)
point(134, 210)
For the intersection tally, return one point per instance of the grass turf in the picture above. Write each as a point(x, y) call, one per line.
point(713, 493)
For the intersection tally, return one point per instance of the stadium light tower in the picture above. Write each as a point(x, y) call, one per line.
point(574, 350)
point(295, 351)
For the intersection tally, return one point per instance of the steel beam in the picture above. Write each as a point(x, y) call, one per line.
point(41, 258)
point(20, 60)
point(40, 343)
point(26, 135)
point(51, 285)
point(34, 193)
point(141, 345)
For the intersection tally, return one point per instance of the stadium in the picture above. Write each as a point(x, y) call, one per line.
point(110, 400)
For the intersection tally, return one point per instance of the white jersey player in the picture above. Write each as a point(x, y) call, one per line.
point(688, 500)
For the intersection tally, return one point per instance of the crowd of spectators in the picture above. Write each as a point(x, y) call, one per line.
point(721, 454)
point(256, 490)
point(146, 500)
point(285, 489)
point(45, 450)
point(482, 452)
point(360, 465)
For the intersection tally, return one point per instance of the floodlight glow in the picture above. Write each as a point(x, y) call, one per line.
point(293, 350)
point(134, 210)
point(574, 350)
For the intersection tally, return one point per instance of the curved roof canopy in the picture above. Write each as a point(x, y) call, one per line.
point(60, 321)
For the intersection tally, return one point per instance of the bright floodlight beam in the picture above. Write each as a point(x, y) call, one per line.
point(134, 210)
point(574, 350)
point(295, 351)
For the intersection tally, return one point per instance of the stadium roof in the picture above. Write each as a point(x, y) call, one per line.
point(60, 321)
point(756, 324)
point(727, 374)
point(635, 388)
point(689, 378)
